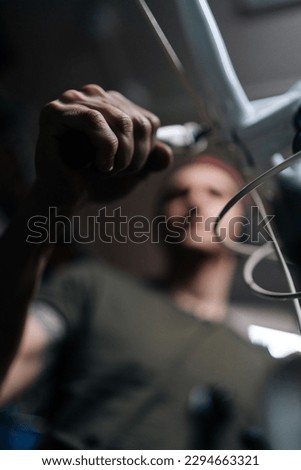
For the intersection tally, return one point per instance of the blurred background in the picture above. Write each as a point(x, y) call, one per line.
point(48, 46)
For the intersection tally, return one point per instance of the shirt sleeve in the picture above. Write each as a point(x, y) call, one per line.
point(49, 319)
point(70, 290)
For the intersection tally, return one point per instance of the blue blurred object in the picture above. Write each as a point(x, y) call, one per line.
point(17, 431)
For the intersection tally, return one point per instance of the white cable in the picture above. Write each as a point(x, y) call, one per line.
point(176, 64)
point(259, 254)
point(242, 249)
point(277, 249)
point(254, 184)
point(242, 193)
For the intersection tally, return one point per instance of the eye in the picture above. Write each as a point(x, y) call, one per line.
point(215, 193)
point(174, 193)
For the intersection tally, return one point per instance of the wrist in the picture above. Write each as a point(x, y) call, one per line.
point(63, 197)
point(47, 218)
point(41, 197)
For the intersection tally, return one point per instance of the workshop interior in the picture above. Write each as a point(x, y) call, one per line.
point(220, 74)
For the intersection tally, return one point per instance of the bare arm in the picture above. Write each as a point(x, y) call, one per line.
point(20, 270)
point(125, 149)
point(30, 360)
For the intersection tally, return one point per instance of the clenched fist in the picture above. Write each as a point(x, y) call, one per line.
point(95, 145)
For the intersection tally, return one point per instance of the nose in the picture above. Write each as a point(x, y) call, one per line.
point(195, 201)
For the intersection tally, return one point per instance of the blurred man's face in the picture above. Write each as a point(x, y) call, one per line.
point(199, 192)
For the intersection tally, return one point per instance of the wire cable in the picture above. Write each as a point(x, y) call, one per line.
point(176, 64)
point(254, 184)
point(259, 254)
point(203, 114)
point(287, 273)
point(263, 251)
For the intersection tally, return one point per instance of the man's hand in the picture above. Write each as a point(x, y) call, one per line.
point(116, 138)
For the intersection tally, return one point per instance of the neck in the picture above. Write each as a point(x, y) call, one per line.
point(200, 283)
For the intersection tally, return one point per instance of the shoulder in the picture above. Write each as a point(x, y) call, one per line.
point(68, 289)
point(77, 277)
point(86, 287)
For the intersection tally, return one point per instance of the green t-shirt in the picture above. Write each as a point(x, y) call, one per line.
point(130, 362)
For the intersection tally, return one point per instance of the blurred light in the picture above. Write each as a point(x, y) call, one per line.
point(279, 343)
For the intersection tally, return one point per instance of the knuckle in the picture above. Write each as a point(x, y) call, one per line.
point(51, 106)
point(93, 89)
point(97, 122)
point(108, 145)
point(94, 118)
point(115, 94)
point(155, 121)
point(48, 110)
point(112, 142)
point(124, 154)
point(125, 124)
point(70, 96)
point(142, 126)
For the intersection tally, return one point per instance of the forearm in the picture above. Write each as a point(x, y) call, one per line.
point(21, 266)
point(124, 149)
